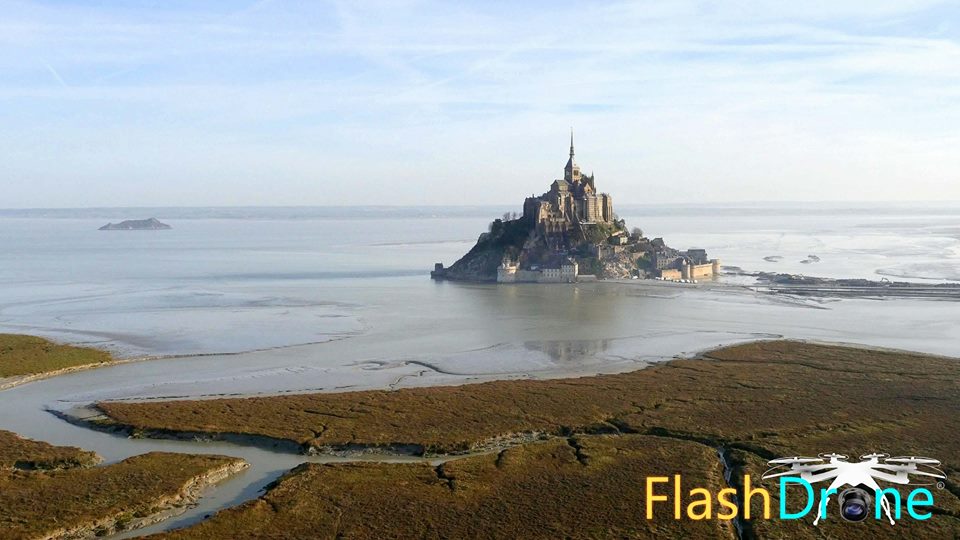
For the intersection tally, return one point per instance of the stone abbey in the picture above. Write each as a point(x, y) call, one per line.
point(571, 234)
point(571, 202)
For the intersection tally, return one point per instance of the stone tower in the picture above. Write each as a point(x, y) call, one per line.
point(571, 173)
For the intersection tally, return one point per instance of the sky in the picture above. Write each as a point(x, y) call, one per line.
point(274, 102)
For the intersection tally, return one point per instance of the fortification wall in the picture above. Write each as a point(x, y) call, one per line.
point(698, 271)
point(670, 273)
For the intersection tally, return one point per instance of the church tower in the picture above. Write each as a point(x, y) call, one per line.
point(571, 173)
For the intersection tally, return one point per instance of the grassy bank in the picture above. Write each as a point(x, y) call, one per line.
point(605, 436)
point(583, 487)
point(776, 396)
point(22, 356)
point(19, 453)
point(577, 488)
point(53, 492)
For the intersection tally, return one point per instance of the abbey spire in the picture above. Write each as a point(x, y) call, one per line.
point(571, 173)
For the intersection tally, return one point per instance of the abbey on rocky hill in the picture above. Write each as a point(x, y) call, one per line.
point(572, 200)
point(570, 234)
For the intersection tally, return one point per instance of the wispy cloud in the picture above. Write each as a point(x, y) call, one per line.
point(56, 75)
point(674, 98)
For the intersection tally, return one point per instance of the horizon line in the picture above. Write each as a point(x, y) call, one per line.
point(939, 202)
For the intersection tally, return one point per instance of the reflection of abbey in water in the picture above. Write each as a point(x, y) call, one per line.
point(569, 350)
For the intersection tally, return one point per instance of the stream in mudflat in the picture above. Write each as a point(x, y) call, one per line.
point(243, 307)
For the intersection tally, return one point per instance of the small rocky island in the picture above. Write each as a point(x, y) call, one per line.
point(152, 224)
point(569, 234)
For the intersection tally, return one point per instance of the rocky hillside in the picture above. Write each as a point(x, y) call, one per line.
point(518, 241)
point(505, 239)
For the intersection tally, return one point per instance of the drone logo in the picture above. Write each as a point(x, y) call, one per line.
point(860, 479)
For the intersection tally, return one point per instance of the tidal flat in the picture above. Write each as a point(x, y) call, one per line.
point(716, 418)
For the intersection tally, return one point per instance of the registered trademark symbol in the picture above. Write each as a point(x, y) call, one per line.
point(940, 485)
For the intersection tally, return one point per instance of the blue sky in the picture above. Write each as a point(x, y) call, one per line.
point(275, 102)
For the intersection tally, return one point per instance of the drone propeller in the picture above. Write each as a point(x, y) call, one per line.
point(796, 460)
point(937, 474)
point(782, 470)
point(913, 460)
point(874, 456)
point(838, 457)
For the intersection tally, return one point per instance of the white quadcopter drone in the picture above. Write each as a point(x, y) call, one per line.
point(855, 501)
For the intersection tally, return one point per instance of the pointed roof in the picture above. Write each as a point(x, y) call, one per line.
point(570, 162)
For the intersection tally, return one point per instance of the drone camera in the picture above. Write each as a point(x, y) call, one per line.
point(855, 504)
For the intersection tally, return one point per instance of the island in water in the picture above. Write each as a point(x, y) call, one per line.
point(570, 234)
point(152, 224)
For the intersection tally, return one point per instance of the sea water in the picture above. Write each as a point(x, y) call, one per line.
point(237, 280)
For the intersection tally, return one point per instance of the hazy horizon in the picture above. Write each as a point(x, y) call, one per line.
point(635, 214)
point(743, 203)
point(273, 104)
